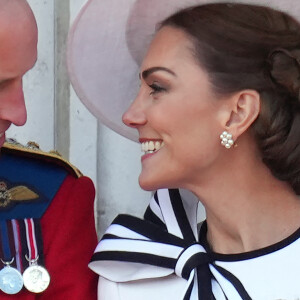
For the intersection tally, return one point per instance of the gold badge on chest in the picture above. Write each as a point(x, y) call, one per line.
point(17, 193)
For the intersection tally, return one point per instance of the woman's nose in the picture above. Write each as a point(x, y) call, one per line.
point(135, 115)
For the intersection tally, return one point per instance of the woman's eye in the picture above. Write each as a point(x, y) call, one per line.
point(156, 88)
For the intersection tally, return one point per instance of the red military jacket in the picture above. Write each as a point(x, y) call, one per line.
point(67, 223)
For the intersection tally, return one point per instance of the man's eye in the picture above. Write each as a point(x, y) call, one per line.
point(5, 83)
point(156, 88)
point(2, 83)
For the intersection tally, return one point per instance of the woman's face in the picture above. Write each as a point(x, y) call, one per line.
point(176, 114)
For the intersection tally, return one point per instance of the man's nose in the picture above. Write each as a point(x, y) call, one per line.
point(12, 105)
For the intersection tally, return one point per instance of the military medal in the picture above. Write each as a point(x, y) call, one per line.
point(21, 238)
point(36, 278)
point(11, 280)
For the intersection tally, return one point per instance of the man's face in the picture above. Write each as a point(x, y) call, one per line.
point(18, 54)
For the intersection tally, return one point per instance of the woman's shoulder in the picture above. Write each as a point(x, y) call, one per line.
point(170, 287)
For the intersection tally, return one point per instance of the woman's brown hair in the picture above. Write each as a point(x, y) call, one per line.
point(254, 47)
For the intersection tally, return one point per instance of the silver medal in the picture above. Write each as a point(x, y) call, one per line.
point(11, 280)
point(36, 278)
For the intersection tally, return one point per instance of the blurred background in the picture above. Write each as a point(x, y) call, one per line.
point(57, 120)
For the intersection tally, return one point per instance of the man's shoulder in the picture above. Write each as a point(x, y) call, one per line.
point(30, 179)
point(30, 155)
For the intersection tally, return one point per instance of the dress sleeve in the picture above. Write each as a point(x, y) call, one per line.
point(107, 290)
point(69, 235)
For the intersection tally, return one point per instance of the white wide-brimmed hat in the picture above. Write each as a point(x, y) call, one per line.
point(107, 43)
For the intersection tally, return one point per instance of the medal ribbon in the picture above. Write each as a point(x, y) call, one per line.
point(7, 256)
point(31, 240)
point(18, 245)
point(21, 238)
point(164, 243)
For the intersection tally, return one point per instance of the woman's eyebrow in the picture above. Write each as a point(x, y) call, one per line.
point(149, 71)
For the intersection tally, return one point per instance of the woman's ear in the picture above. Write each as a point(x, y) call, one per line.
point(245, 107)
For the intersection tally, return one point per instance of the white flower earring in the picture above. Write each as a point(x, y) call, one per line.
point(226, 139)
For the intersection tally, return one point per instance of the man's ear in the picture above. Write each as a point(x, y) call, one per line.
point(245, 107)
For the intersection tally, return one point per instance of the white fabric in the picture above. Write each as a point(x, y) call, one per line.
point(266, 277)
point(118, 241)
point(166, 206)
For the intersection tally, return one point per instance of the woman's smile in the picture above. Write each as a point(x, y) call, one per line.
point(175, 113)
point(150, 147)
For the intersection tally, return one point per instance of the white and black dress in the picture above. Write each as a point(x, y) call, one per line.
point(161, 257)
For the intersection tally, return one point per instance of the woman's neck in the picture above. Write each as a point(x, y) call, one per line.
point(249, 227)
point(248, 208)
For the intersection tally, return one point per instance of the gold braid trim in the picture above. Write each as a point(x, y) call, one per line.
point(32, 150)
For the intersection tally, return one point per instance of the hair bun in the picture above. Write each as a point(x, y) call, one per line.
point(285, 70)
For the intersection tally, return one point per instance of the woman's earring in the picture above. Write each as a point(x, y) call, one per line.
point(226, 139)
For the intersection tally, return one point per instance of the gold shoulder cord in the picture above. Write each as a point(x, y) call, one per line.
point(32, 149)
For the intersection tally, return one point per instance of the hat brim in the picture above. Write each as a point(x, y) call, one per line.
point(107, 42)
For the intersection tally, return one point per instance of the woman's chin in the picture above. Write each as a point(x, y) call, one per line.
point(149, 183)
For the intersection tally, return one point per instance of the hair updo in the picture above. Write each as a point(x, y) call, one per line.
point(254, 47)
